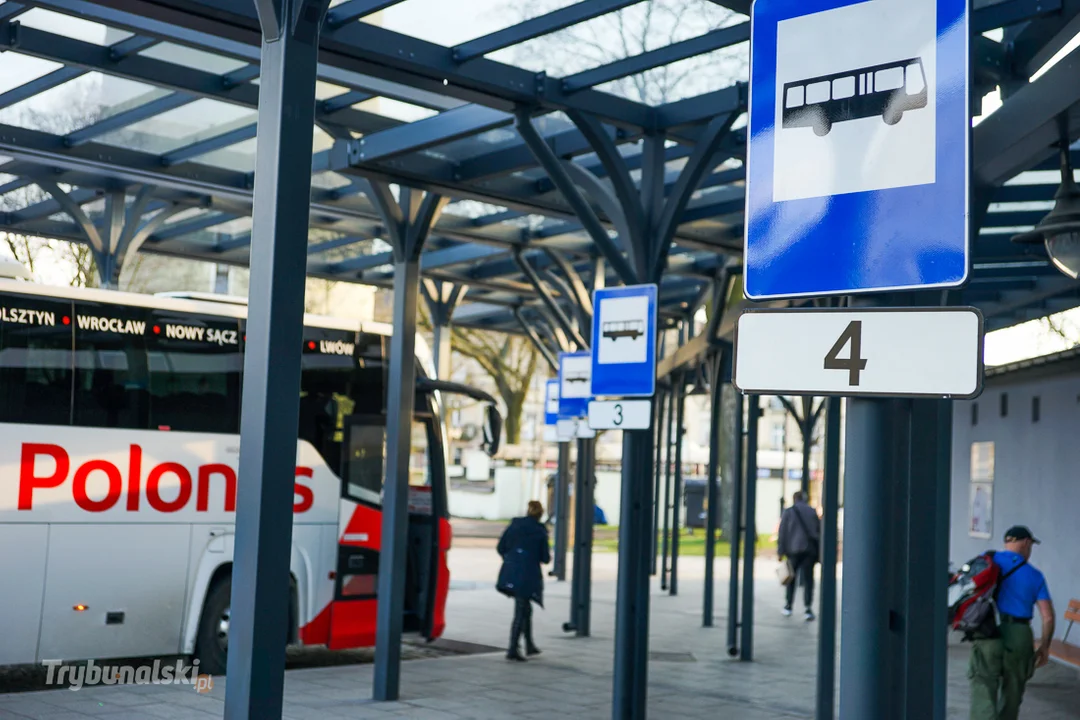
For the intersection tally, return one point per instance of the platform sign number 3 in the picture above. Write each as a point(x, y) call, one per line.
point(854, 363)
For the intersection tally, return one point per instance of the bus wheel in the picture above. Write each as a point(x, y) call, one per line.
point(212, 640)
point(891, 117)
point(822, 127)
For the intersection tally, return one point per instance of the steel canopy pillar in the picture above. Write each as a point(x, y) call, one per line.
point(409, 220)
point(647, 222)
point(268, 432)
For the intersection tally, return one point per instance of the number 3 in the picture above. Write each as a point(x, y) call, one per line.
point(618, 415)
point(854, 363)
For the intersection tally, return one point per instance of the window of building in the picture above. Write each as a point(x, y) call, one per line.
point(35, 360)
point(1035, 409)
point(974, 414)
point(1004, 404)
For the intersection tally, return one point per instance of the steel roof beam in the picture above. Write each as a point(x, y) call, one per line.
point(39, 85)
point(1024, 130)
point(709, 42)
point(740, 6)
point(1042, 38)
point(138, 22)
point(128, 117)
point(12, 10)
point(397, 57)
point(45, 208)
point(537, 27)
point(416, 136)
point(232, 88)
point(353, 10)
point(432, 259)
point(202, 147)
point(186, 227)
point(340, 242)
point(703, 107)
point(1011, 12)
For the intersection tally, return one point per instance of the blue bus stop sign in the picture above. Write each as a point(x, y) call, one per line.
point(551, 402)
point(574, 373)
point(857, 167)
point(624, 341)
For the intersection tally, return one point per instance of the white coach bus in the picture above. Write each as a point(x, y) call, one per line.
point(119, 440)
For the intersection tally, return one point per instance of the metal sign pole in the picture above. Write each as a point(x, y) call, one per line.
point(753, 418)
point(826, 678)
point(737, 480)
point(721, 366)
point(561, 512)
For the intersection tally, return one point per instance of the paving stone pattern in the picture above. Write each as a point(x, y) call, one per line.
point(690, 674)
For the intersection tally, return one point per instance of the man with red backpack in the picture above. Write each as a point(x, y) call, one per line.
point(1003, 658)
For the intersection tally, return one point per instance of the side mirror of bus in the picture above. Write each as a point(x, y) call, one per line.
point(492, 431)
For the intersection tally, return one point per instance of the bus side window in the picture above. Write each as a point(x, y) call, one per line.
point(818, 92)
point(195, 368)
point(843, 87)
point(35, 361)
point(112, 379)
point(794, 97)
point(915, 82)
point(889, 79)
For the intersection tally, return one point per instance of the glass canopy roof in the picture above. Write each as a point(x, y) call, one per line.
point(106, 97)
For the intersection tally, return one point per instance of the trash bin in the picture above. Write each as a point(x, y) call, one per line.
point(694, 500)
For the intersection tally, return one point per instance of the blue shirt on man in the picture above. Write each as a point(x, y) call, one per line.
point(1018, 594)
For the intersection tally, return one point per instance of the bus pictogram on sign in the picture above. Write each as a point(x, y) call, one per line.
point(632, 329)
point(887, 90)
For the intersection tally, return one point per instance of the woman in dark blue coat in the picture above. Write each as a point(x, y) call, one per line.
point(523, 547)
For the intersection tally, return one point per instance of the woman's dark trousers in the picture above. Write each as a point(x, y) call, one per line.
point(522, 625)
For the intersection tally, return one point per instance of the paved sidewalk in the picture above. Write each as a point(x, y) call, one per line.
point(690, 675)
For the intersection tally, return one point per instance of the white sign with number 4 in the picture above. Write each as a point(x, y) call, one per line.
point(620, 414)
point(874, 351)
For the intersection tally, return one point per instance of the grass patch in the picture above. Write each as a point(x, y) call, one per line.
point(606, 540)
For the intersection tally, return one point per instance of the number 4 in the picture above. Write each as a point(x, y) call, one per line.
point(854, 363)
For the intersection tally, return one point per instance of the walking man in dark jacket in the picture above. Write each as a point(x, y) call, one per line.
point(524, 548)
point(800, 538)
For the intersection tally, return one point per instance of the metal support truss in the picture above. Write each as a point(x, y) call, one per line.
point(442, 298)
point(549, 301)
point(123, 231)
point(409, 220)
point(534, 337)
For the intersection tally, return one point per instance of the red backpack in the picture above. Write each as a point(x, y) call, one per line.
point(973, 596)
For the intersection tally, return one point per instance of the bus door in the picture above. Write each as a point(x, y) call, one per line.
point(352, 617)
point(427, 580)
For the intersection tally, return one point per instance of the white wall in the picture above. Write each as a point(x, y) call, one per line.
point(511, 497)
point(1036, 480)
